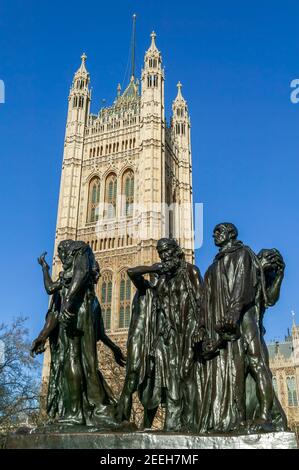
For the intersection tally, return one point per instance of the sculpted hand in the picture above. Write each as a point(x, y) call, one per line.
point(119, 357)
point(37, 347)
point(198, 336)
point(228, 329)
point(41, 260)
point(278, 260)
point(157, 268)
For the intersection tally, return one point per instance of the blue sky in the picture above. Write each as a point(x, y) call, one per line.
point(236, 61)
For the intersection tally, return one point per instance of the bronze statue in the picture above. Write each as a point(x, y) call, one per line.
point(160, 357)
point(78, 393)
point(235, 294)
point(195, 347)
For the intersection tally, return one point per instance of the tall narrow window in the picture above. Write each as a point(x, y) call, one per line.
point(128, 192)
point(292, 391)
point(124, 301)
point(110, 197)
point(94, 199)
point(106, 298)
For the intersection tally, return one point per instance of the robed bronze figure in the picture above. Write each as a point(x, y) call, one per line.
point(160, 359)
point(77, 393)
point(238, 394)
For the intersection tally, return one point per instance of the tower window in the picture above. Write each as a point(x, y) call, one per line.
point(292, 391)
point(81, 101)
point(94, 199)
point(106, 298)
point(128, 190)
point(110, 198)
point(152, 81)
point(124, 301)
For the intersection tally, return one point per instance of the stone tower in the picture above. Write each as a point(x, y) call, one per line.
point(123, 169)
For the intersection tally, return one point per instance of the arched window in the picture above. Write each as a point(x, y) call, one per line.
point(93, 200)
point(292, 391)
point(106, 298)
point(110, 196)
point(124, 301)
point(128, 192)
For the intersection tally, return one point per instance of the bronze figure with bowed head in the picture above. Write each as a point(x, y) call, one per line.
point(160, 356)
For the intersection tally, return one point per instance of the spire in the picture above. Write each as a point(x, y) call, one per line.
point(133, 46)
point(293, 323)
point(80, 86)
point(82, 69)
point(179, 96)
point(153, 50)
point(153, 44)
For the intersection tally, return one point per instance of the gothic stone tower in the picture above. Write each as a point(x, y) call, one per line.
point(126, 182)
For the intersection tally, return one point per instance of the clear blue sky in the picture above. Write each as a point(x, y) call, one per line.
point(236, 61)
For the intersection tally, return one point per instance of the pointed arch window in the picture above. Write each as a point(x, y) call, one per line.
point(128, 192)
point(124, 301)
point(81, 102)
point(110, 196)
point(292, 391)
point(106, 298)
point(94, 199)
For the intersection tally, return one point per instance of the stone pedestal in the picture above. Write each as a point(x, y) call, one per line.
point(149, 440)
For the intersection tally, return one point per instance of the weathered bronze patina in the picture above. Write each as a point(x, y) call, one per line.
point(78, 393)
point(237, 393)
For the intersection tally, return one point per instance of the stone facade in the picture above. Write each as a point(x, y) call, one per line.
point(123, 169)
point(284, 363)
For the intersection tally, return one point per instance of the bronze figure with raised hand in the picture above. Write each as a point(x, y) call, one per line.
point(77, 393)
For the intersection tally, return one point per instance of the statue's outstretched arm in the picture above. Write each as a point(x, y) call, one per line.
point(50, 286)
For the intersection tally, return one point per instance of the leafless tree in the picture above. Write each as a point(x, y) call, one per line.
point(19, 378)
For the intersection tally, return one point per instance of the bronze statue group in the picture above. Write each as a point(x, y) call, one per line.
point(195, 346)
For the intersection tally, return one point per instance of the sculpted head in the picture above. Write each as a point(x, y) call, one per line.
point(170, 253)
point(223, 233)
point(66, 250)
point(63, 250)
